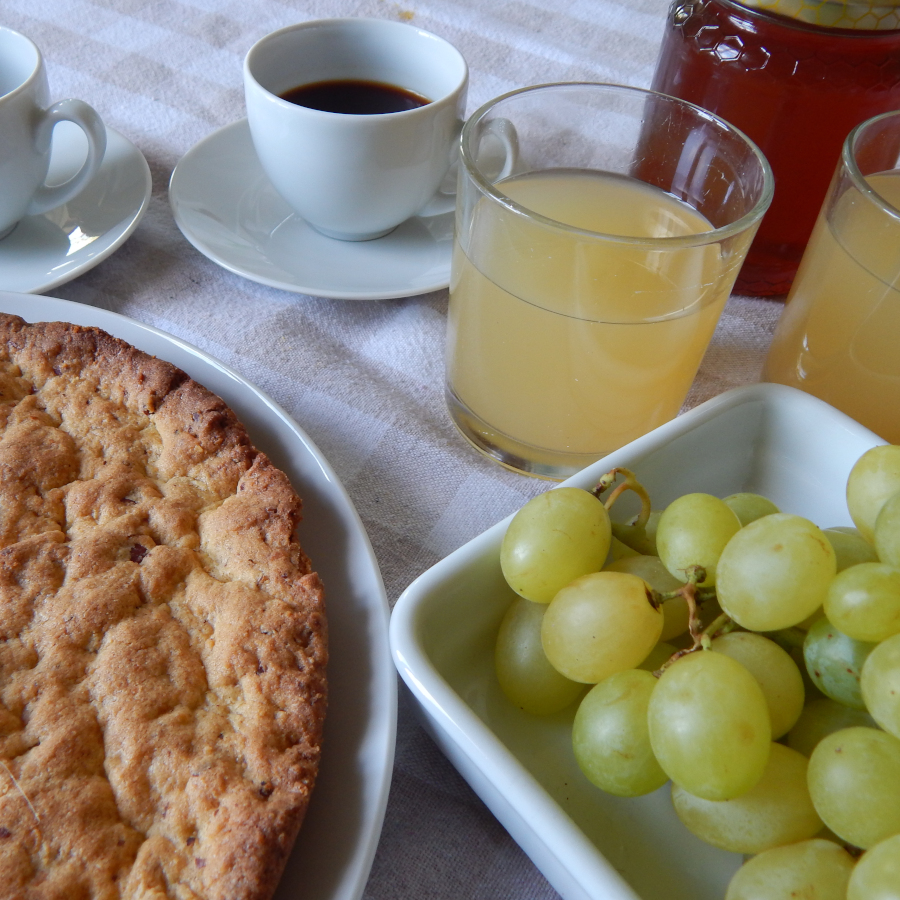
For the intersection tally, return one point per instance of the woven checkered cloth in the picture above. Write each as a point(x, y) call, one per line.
point(364, 379)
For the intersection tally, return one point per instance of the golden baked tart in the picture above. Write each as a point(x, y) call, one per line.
point(163, 638)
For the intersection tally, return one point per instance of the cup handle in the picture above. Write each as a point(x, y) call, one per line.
point(505, 134)
point(90, 123)
point(504, 131)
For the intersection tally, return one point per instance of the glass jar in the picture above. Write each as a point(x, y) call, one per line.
point(796, 88)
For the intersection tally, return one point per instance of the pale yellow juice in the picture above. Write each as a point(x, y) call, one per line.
point(563, 346)
point(839, 335)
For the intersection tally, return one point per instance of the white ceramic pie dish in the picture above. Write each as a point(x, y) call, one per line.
point(765, 438)
point(333, 854)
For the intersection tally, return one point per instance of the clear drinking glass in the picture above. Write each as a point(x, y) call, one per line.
point(599, 230)
point(839, 334)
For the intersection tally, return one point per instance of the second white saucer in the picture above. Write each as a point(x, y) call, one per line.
point(45, 251)
point(226, 207)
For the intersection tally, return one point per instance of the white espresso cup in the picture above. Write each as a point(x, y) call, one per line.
point(356, 176)
point(27, 121)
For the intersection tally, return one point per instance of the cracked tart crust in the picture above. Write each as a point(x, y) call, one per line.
point(163, 639)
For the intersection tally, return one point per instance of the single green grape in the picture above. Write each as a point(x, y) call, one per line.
point(525, 675)
point(600, 624)
point(775, 572)
point(776, 810)
point(845, 529)
point(887, 531)
point(873, 479)
point(618, 550)
point(815, 869)
point(692, 531)
point(791, 641)
point(775, 672)
point(610, 737)
point(880, 684)
point(553, 539)
point(821, 717)
point(834, 661)
point(877, 873)
point(854, 782)
point(641, 538)
point(850, 547)
point(709, 726)
point(864, 601)
point(749, 507)
point(651, 569)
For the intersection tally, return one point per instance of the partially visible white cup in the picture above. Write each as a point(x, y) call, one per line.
point(27, 121)
point(356, 177)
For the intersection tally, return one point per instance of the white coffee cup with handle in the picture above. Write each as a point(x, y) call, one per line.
point(27, 120)
point(356, 176)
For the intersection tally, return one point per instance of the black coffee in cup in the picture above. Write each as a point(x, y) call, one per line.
point(353, 97)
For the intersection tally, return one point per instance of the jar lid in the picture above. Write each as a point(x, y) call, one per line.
point(876, 15)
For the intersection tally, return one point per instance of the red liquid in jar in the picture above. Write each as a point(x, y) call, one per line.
point(796, 90)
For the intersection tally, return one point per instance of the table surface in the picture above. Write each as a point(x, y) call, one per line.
point(363, 378)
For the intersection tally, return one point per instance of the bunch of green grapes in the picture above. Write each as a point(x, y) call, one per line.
point(743, 654)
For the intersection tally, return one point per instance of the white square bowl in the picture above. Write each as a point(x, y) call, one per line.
point(765, 438)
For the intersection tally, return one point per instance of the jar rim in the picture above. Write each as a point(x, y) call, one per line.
point(828, 16)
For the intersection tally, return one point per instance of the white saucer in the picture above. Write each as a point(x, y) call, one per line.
point(46, 251)
point(227, 208)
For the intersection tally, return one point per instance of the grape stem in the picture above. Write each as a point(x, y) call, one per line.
point(694, 596)
point(691, 592)
point(629, 484)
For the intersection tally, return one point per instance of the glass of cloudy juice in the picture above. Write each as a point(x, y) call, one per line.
point(599, 230)
point(839, 334)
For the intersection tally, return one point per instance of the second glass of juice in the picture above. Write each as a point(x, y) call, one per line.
point(599, 231)
point(839, 335)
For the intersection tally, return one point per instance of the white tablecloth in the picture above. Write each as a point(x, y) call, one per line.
point(363, 378)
